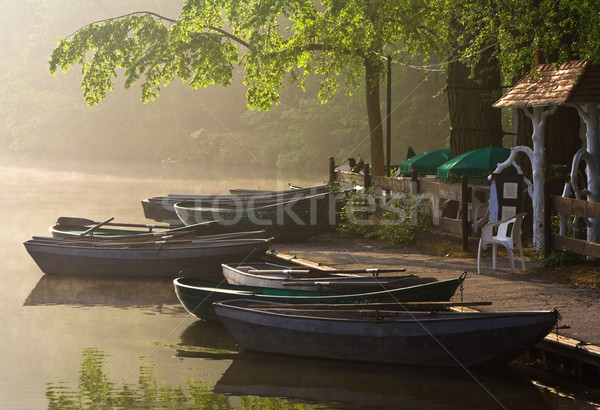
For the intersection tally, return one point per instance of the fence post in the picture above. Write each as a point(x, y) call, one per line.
point(331, 170)
point(465, 198)
point(414, 181)
point(547, 221)
point(367, 176)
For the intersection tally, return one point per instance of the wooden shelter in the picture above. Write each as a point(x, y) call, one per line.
point(577, 82)
point(539, 93)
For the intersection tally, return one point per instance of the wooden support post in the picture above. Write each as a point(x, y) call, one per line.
point(367, 176)
point(414, 181)
point(435, 210)
point(331, 170)
point(465, 198)
point(547, 222)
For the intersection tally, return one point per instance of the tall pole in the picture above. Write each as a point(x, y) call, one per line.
point(389, 115)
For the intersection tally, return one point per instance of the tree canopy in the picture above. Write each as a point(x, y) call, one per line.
point(276, 42)
point(559, 30)
point(338, 42)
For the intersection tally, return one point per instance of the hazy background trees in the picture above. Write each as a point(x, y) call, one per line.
point(45, 116)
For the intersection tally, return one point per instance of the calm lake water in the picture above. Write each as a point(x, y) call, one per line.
point(81, 342)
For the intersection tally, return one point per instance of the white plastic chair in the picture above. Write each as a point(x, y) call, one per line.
point(507, 233)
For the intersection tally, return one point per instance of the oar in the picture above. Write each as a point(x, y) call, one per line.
point(278, 271)
point(93, 228)
point(67, 220)
point(372, 271)
point(429, 306)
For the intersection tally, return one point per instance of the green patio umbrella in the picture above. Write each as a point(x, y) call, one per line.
point(425, 163)
point(476, 163)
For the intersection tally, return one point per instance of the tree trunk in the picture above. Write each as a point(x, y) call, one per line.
point(474, 123)
point(374, 114)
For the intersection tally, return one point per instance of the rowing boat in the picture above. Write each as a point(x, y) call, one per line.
point(270, 275)
point(197, 296)
point(285, 220)
point(198, 256)
point(162, 208)
point(385, 334)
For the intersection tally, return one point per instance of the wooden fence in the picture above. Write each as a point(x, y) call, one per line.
point(438, 192)
point(569, 207)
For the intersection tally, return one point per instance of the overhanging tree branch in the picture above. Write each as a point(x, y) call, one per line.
point(167, 19)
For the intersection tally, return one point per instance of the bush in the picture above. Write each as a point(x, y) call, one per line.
point(398, 221)
point(558, 259)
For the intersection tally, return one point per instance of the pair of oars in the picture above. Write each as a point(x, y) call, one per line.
point(66, 220)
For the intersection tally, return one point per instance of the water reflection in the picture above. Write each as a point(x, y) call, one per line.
point(95, 390)
point(354, 385)
point(208, 340)
point(103, 291)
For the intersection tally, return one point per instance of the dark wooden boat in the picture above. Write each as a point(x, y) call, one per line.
point(270, 275)
point(284, 220)
point(162, 208)
point(385, 334)
point(197, 296)
point(200, 257)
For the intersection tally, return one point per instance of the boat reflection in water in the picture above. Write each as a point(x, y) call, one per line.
point(102, 291)
point(340, 384)
point(206, 340)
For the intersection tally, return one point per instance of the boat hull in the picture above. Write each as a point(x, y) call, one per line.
point(162, 208)
point(58, 257)
point(268, 275)
point(285, 220)
point(447, 339)
point(198, 296)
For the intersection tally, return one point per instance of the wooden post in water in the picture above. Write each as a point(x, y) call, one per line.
point(465, 198)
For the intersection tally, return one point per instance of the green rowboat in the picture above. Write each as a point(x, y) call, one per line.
point(197, 296)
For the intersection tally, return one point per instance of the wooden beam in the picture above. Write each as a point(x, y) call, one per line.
point(576, 245)
point(570, 206)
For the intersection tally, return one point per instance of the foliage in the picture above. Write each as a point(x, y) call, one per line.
point(302, 132)
point(208, 128)
point(557, 259)
point(575, 228)
point(275, 43)
point(561, 30)
point(397, 221)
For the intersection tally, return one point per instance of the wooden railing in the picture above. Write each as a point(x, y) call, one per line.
point(437, 192)
point(569, 207)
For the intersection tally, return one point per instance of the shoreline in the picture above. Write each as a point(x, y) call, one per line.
point(522, 290)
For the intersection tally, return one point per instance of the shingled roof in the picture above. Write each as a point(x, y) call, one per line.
point(574, 82)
